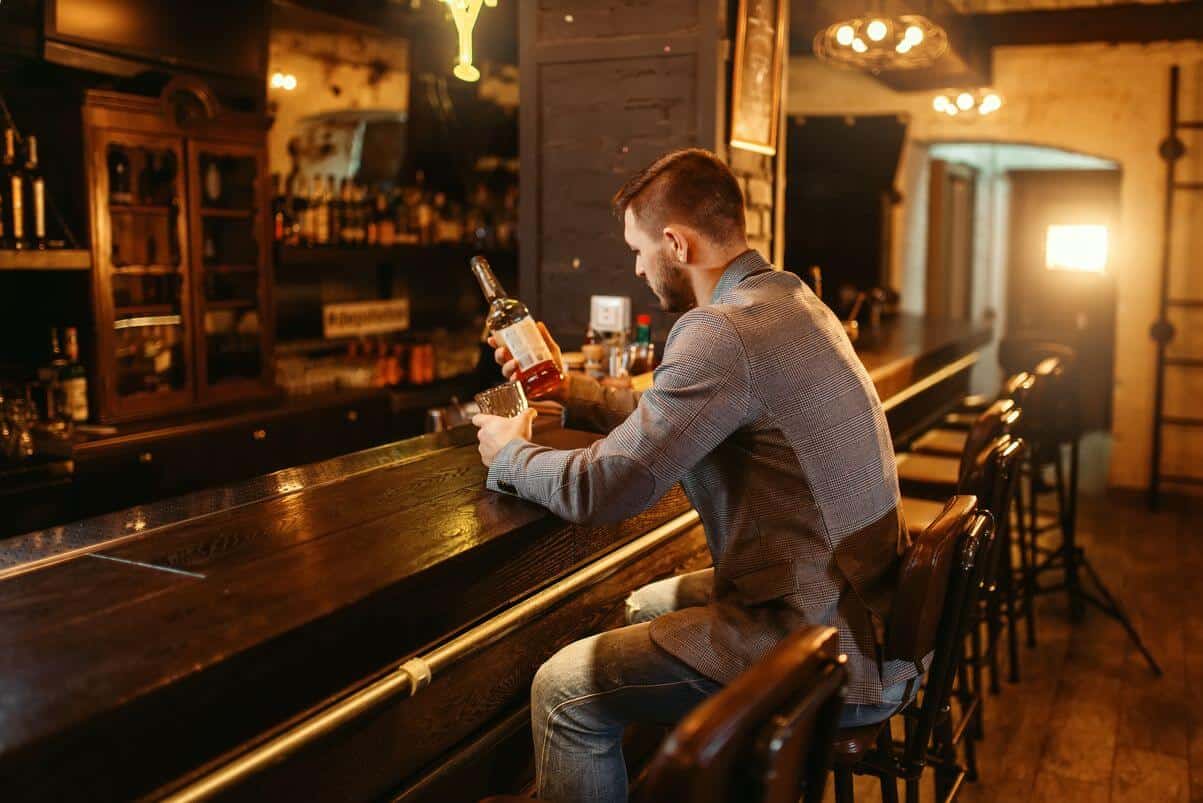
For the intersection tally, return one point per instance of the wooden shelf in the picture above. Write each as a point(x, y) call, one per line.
point(232, 268)
point(145, 309)
point(227, 213)
point(141, 209)
point(231, 303)
point(145, 270)
point(50, 259)
point(401, 255)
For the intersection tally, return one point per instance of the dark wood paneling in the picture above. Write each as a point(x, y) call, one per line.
point(600, 19)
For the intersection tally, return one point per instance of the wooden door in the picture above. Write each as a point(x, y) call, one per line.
point(230, 260)
point(143, 284)
point(1067, 297)
point(951, 202)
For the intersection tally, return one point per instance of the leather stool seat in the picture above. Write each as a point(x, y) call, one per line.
point(929, 469)
point(949, 442)
point(919, 513)
point(959, 420)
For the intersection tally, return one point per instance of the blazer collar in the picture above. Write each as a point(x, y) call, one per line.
point(746, 263)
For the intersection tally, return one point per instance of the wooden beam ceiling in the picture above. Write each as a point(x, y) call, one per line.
point(1113, 24)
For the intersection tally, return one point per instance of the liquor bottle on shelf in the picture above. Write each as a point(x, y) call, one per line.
point(321, 232)
point(120, 181)
point(73, 380)
point(35, 201)
point(14, 186)
point(512, 324)
point(279, 216)
point(309, 211)
point(213, 184)
point(49, 376)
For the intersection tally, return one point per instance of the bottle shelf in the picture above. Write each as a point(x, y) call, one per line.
point(140, 209)
point(232, 303)
point(145, 309)
point(145, 270)
point(226, 213)
point(372, 255)
point(48, 259)
point(232, 268)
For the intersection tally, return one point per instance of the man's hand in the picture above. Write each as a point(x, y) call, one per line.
point(509, 366)
point(494, 432)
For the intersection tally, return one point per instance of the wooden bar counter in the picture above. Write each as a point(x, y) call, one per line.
point(142, 652)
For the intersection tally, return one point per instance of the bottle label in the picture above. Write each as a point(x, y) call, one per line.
point(526, 343)
point(76, 393)
point(17, 209)
point(39, 209)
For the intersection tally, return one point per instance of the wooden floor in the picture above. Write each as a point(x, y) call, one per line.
point(1089, 722)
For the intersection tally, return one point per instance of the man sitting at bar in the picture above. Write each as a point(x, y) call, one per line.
point(764, 414)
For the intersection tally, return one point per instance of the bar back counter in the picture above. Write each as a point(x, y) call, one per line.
point(364, 628)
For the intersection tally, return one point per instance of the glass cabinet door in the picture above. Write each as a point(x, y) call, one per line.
point(230, 258)
point(143, 273)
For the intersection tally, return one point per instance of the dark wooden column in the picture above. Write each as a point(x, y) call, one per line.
point(607, 86)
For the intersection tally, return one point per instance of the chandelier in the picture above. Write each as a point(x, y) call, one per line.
point(882, 42)
point(465, 13)
point(967, 104)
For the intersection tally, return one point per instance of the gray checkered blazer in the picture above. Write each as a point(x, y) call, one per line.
point(764, 414)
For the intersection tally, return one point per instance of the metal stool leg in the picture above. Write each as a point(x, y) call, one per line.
point(843, 785)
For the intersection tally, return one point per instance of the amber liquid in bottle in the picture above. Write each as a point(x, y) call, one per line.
point(511, 323)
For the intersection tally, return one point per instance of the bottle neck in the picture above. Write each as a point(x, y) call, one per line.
point(10, 147)
point(488, 282)
point(32, 145)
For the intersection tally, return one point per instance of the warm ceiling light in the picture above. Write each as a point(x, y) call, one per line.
point(1077, 248)
point(283, 80)
point(465, 13)
point(955, 101)
point(877, 43)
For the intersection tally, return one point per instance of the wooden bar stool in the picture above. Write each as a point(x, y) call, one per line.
point(764, 738)
point(949, 438)
point(993, 479)
point(938, 592)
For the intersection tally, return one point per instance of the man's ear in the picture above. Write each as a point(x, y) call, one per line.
point(677, 242)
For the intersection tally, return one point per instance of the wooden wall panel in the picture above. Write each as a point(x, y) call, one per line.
point(586, 19)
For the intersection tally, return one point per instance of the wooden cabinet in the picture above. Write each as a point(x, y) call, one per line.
point(181, 263)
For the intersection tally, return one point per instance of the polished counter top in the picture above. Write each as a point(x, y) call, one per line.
point(223, 608)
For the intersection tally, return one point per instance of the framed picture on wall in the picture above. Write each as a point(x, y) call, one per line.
point(756, 86)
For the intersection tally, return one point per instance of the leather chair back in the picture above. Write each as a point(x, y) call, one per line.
point(764, 738)
point(919, 600)
point(996, 419)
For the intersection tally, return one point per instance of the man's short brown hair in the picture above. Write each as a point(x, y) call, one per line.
point(690, 186)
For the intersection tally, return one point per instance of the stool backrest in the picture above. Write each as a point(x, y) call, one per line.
point(765, 738)
point(1052, 404)
point(974, 540)
point(918, 607)
point(1017, 387)
point(996, 419)
point(993, 479)
point(1021, 353)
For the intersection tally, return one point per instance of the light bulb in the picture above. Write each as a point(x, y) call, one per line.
point(844, 35)
point(859, 45)
point(877, 30)
point(951, 110)
point(290, 82)
point(940, 103)
point(990, 103)
point(903, 47)
point(965, 101)
point(914, 35)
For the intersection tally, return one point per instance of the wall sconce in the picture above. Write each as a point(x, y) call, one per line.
point(465, 14)
point(283, 80)
point(1076, 248)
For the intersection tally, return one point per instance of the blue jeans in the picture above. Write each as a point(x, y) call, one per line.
point(587, 693)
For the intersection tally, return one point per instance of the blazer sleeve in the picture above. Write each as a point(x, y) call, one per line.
point(591, 406)
point(700, 396)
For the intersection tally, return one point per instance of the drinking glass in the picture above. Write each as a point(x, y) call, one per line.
point(506, 400)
